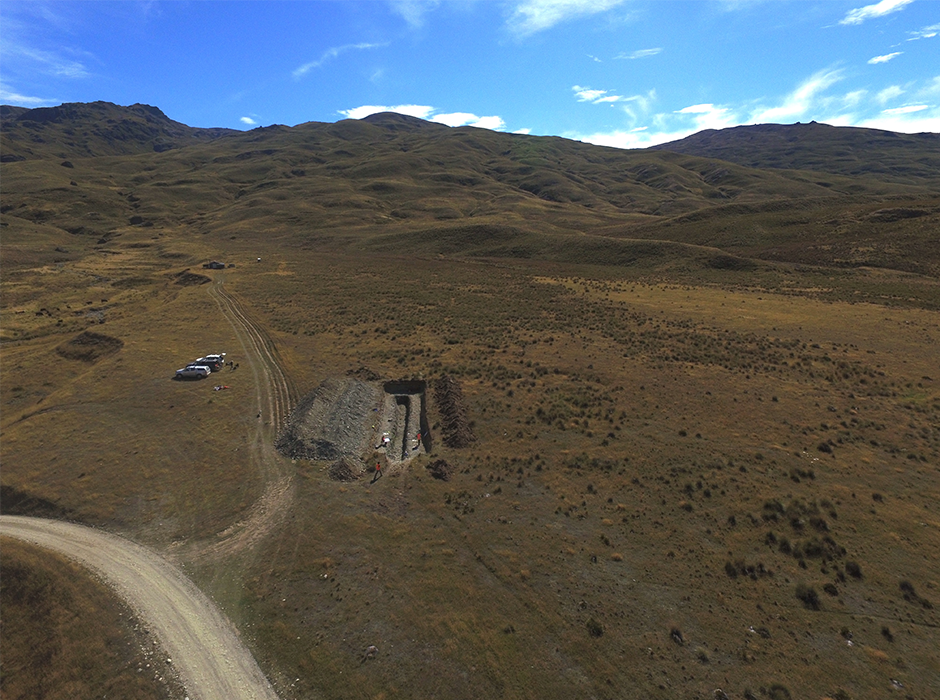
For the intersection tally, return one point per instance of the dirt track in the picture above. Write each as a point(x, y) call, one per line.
point(203, 645)
point(274, 393)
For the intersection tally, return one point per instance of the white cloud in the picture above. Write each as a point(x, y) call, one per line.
point(532, 16)
point(880, 9)
point(329, 55)
point(493, 123)
point(468, 119)
point(419, 111)
point(585, 94)
point(925, 33)
point(696, 109)
point(889, 93)
point(247, 120)
point(910, 109)
point(642, 53)
point(884, 59)
point(522, 131)
point(906, 122)
point(799, 102)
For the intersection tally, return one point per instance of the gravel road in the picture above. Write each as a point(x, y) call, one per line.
point(202, 644)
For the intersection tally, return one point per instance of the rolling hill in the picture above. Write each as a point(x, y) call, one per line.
point(397, 182)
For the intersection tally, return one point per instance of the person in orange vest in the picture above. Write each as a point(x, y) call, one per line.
point(378, 472)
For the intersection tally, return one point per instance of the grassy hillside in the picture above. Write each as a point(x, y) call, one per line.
point(911, 159)
point(705, 397)
point(422, 185)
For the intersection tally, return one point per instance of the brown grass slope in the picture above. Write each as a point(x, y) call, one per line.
point(82, 130)
point(399, 184)
point(910, 159)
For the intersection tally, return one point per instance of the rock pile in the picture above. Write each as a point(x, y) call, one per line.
point(455, 427)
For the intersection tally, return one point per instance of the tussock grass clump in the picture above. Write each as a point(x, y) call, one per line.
point(808, 596)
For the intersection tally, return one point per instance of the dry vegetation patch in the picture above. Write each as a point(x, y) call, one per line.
point(89, 346)
point(65, 635)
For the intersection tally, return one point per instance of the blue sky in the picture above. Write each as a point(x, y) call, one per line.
point(627, 73)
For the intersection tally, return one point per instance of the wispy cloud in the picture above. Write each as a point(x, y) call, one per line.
point(414, 11)
point(329, 55)
point(248, 120)
point(11, 97)
point(879, 9)
point(642, 53)
point(931, 90)
point(35, 60)
point(533, 16)
point(799, 102)
point(889, 93)
point(598, 97)
point(909, 109)
point(925, 33)
point(884, 59)
point(810, 100)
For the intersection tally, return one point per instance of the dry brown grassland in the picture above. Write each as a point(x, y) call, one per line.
point(681, 482)
point(52, 601)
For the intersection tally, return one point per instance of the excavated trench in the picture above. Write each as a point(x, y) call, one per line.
point(348, 420)
point(406, 420)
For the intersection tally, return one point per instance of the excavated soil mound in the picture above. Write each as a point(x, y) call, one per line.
point(439, 469)
point(346, 470)
point(450, 404)
point(89, 347)
point(332, 422)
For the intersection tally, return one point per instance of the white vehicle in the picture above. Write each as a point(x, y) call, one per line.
point(213, 362)
point(193, 372)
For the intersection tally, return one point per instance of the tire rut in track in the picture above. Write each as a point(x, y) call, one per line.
point(274, 393)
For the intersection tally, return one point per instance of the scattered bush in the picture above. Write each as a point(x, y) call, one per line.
point(808, 596)
point(853, 569)
point(594, 628)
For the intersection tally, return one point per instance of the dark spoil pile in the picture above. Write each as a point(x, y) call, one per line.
point(450, 404)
